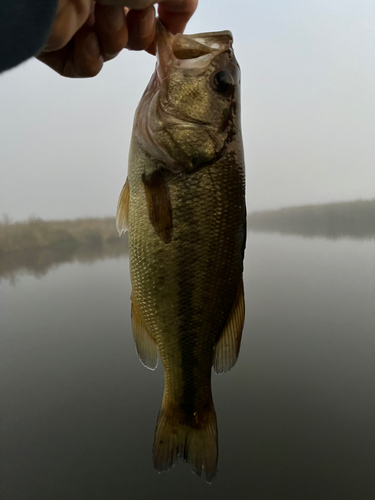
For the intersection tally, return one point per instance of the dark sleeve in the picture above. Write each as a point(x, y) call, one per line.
point(24, 29)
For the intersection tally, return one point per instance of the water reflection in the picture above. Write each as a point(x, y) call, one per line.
point(332, 221)
point(39, 262)
point(296, 414)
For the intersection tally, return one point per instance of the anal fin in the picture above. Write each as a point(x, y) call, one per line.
point(144, 343)
point(228, 346)
point(122, 216)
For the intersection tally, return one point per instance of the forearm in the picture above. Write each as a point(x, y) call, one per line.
point(24, 29)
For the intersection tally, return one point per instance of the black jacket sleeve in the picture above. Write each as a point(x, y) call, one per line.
point(24, 29)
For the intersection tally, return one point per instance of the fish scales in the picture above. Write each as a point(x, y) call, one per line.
point(187, 274)
point(199, 266)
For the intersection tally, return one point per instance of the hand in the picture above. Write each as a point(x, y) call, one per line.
point(86, 33)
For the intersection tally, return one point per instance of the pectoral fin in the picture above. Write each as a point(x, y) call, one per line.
point(122, 216)
point(159, 205)
point(228, 346)
point(144, 343)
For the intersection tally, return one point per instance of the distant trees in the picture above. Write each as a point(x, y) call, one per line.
point(355, 219)
point(36, 234)
point(36, 245)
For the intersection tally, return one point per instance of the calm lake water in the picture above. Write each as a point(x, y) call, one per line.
point(296, 415)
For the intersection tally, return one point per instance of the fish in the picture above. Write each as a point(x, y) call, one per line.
point(183, 205)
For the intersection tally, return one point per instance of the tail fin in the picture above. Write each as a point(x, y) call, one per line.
point(195, 441)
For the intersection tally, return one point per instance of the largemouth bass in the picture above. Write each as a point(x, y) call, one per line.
point(184, 206)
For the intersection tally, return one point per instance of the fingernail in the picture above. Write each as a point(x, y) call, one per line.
point(92, 45)
point(146, 24)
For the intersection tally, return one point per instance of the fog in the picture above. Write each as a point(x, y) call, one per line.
point(308, 108)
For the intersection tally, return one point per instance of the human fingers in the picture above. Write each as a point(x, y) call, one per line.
point(132, 4)
point(141, 27)
point(111, 30)
point(71, 15)
point(80, 58)
point(80, 54)
point(175, 14)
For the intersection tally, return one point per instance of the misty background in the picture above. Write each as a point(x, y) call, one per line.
point(308, 107)
point(296, 415)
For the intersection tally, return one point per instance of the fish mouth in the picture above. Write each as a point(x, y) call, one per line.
point(190, 52)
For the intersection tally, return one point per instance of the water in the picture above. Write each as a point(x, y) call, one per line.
point(296, 415)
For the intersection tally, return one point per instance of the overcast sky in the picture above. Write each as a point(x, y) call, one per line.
point(308, 113)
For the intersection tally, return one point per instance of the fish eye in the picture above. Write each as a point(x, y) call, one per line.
point(223, 82)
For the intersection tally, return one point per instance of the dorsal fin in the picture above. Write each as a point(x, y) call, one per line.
point(228, 346)
point(122, 216)
point(144, 343)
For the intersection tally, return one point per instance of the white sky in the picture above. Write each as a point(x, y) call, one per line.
point(308, 113)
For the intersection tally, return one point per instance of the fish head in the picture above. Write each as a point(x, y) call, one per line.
point(189, 112)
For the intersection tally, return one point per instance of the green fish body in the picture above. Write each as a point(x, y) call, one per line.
point(184, 207)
